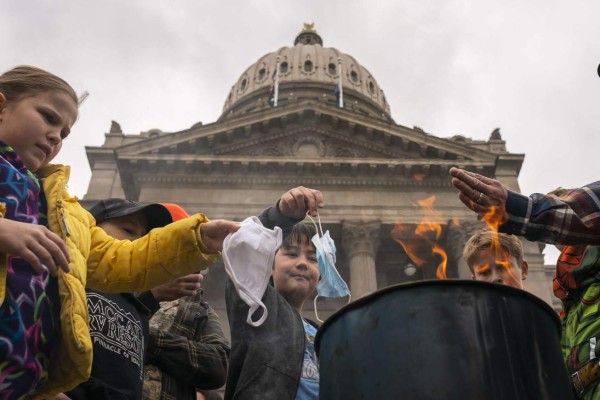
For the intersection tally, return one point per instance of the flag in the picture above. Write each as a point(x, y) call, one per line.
point(339, 91)
point(274, 90)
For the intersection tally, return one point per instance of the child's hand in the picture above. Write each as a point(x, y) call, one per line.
point(214, 232)
point(185, 286)
point(36, 244)
point(296, 202)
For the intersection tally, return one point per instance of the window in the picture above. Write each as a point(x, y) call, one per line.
point(283, 67)
point(354, 76)
point(308, 66)
point(331, 69)
point(262, 74)
point(371, 87)
point(244, 84)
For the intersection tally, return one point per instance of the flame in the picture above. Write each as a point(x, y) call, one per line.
point(419, 177)
point(424, 248)
point(493, 218)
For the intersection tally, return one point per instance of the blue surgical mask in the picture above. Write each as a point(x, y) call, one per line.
point(331, 283)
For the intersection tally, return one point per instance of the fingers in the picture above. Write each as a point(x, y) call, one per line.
point(52, 252)
point(36, 244)
point(225, 227)
point(474, 181)
point(467, 201)
point(465, 188)
point(483, 190)
point(59, 251)
point(298, 201)
point(191, 282)
point(467, 182)
point(214, 232)
point(192, 278)
point(188, 285)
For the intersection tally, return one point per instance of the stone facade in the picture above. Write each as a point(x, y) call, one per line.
point(371, 170)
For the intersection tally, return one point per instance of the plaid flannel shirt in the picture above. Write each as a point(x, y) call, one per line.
point(191, 354)
point(573, 219)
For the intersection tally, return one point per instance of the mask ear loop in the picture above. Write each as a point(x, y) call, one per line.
point(317, 228)
point(316, 312)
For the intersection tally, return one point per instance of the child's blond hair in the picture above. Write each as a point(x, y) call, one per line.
point(484, 240)
point(25, 80)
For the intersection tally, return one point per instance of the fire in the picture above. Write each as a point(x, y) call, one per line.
point(424, 248)
point(493, 219)
point(419, 177)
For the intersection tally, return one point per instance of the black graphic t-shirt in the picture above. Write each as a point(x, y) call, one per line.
point(119, 331)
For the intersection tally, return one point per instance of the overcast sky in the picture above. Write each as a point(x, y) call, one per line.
point(448, 66)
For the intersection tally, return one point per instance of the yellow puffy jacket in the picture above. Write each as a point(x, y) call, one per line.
point(103, 263)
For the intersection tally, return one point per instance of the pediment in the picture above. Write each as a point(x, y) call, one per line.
point(311, 133)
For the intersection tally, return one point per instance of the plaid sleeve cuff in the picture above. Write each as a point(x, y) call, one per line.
point(518, 208)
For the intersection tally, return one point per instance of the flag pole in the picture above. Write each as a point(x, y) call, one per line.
point(341, 96)
point(276, 83)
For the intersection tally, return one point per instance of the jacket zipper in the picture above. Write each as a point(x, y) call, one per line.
point(66, 233)
point(63, 221)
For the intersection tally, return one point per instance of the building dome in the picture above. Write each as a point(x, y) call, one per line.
point(307, 71)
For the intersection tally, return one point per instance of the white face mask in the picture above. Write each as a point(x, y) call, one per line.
point(248, 255)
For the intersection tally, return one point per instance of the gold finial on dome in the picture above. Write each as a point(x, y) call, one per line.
point(309, 27)
point(308, 36)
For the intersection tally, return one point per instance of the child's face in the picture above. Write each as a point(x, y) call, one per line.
point(296, 272)
point(130, 227)
point(498, 266)
point(35, 126)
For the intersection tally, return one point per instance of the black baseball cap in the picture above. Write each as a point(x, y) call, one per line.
point(156, 214)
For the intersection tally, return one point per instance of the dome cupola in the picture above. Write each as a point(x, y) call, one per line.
point(307, 71)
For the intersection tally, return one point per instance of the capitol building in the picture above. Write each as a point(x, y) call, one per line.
point(311, 115)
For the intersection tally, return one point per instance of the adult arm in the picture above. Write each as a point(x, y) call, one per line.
point(572, 219)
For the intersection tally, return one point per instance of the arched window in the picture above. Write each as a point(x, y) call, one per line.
point(308, 66)
point(262, 74)
point(331, 69)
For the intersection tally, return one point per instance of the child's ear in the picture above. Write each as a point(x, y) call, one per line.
point(524, 269)
point(2, 100)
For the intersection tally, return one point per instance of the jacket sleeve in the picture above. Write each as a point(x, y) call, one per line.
point(149, 301)
point(272, 217)
point(572, 219)
point(200, 362)
point(159, 257)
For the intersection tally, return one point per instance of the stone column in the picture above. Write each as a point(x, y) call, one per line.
point(360, 241)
